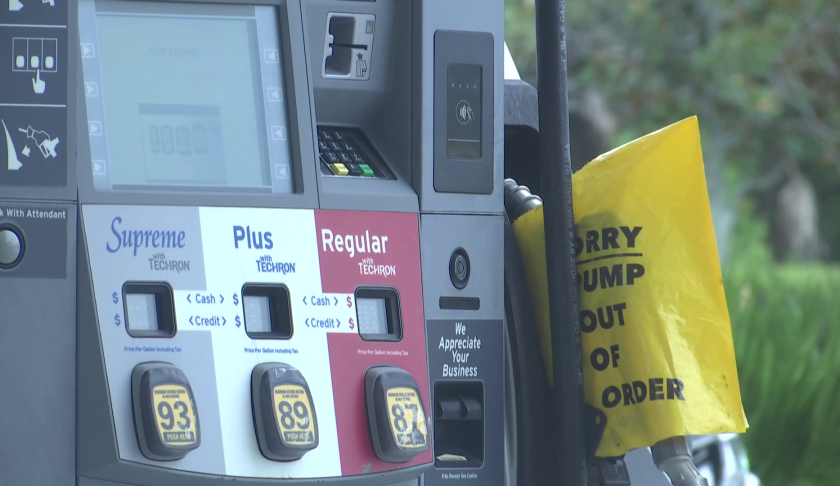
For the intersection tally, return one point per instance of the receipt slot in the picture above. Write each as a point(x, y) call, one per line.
point(284, 416)
point(165, 415)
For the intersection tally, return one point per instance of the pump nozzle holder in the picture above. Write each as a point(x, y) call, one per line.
point(673, 457)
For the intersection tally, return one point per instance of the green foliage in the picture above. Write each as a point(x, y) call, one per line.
point(786, 326)
point(761, 75)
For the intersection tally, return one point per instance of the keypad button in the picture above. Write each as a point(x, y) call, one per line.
point(339, 169)
point(353, 169)
point(336, 146)
point(338, 136)
point(322, 146)
point(348, 147)
point(366, 170)
point(326, 135)
point(358, 159)
point(345, 158)
point(333, 158)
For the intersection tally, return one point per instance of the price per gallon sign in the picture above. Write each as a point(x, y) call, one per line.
point(658, 357)
point(294, 415)
point(174, 415)
point(408, 422)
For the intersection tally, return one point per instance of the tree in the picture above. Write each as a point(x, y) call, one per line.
point(763, 78)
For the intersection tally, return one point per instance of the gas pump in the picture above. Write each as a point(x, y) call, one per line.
point(269, 242)
point(252, 241)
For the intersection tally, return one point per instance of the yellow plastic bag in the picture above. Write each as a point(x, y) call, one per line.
point(658, 357)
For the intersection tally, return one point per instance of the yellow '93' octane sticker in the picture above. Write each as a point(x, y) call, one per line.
point(174, 415)
point(294, 414)
point(408, 422)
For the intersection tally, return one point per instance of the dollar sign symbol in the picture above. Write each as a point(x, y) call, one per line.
point(235, 299)
point(238, 323)
point(117, 320)
point(349, 302)
point(352, 324)
point(115, 298)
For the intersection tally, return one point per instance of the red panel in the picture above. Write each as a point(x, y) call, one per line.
point(371, 259)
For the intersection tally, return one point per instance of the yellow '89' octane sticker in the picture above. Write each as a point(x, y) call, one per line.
point(405, 413)
point(174, 415)
point(294, 415)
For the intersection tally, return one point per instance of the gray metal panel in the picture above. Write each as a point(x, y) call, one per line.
point(38, 353)
point(483, 239)
point(300, 110)
point(430, 16)
point(379, 105)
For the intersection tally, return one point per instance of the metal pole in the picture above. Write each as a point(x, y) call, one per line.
point(556, 169)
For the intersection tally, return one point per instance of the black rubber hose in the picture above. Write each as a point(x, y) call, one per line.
point(556, 168)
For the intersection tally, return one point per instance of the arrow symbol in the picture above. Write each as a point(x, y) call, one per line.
point(339, 323)
point(336, 300)
point(191, 322)
point(99, 167)
point(223, 299)
point(304, 300)
point(307, 322)
point(188, 298)
point(223, 320)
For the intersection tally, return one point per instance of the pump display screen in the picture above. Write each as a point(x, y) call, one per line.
point(373, 315)
point(185, 95)
point(142, 312)
point(257, 313)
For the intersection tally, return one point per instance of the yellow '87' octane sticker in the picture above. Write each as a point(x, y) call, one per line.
point(294, 415)
point(174, 415)
point(405, 413)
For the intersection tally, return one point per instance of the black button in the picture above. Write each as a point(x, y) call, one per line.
point(323, 146)
point(162, 397)
point(357, 158)
point(284, 412)
point(326, 135)
point(345, 158)
point(336, 146)
point(391, 394)
point(459, 268)
point(348, 147)
point(338, 136)
point(353, 169)
point(333, 158)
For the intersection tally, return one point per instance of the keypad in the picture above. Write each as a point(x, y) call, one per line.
point(343, 153)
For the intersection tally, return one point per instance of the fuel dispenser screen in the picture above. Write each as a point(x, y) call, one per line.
point(373, 315)
point(187, 96)
point(142, 312)
point(257, 313)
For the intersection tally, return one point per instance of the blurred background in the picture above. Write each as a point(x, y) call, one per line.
point(763, 77)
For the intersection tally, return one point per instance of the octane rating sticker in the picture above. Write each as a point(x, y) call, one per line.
point(293, 409)
point(174, 415)
point(408, 422)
